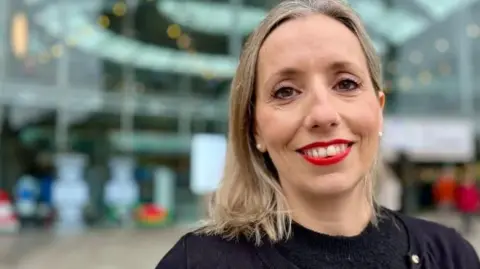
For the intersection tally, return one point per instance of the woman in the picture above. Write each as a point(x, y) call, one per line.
point(305, 123)
point(467, 198)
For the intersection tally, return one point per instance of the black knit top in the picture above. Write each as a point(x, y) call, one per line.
point(398, 242)
point(384, 246)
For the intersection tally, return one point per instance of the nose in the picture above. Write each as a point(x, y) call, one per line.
point(322, 113)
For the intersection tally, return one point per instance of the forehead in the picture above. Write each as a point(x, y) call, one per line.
point(316, 40)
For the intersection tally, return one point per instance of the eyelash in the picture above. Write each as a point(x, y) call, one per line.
point(280, 89)
point(356, 85)
point(349, 80)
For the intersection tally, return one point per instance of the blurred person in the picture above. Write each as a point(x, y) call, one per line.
point(389, 189)
point(45, 206)
point(467, 197)
point(444, 189)
point(305, 120)
point(26, 195)
point(409, 183)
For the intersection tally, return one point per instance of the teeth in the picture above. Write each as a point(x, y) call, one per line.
point(322, 152)
point(329, 151)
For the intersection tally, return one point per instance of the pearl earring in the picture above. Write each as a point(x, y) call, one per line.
point(259, 147)
point(380, 134)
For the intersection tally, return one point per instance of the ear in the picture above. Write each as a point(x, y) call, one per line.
point(381, 99)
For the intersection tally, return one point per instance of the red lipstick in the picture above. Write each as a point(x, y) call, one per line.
point(321, 159)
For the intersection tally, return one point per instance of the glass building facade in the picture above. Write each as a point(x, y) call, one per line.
point(140, 77)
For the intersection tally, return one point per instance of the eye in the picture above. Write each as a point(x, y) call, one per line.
point(284, 93)
point(346, 85)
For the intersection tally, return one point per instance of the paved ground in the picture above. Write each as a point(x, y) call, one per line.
point(110, 249)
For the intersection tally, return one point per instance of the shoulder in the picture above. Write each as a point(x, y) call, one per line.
point(445, 245)
point(195, 250)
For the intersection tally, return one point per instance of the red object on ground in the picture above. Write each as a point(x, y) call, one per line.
point(444, 190)
point(467, 198)
point(151, 214)
point(8, 220)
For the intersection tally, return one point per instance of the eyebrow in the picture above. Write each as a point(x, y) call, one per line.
point(344, 65)
point(284, 72)
point(293, 71)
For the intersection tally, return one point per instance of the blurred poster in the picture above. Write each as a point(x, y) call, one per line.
point(207, 162)
point(429, 139)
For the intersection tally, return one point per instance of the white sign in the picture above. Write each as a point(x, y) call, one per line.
point(207, 162)
point(429, 139)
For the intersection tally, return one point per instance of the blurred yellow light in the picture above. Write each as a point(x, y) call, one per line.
point(57, 51)
point(19, 35)
point(184, 42)
point(425, 77)
point(119, 9)
point(405, 83)
point(103, 21)
point(174, 31)
point(445, 69)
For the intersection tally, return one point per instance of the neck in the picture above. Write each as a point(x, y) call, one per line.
point(340, 215)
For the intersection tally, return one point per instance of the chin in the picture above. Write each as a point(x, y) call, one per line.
point(334, 184)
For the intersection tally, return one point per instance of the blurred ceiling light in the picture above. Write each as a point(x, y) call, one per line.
point(445, 69)
point(425, 77)
point(174, 31)
point(405, 83)
point(119, 9)
point(19, 35)
point(57, 51)
point(473, 30)
point(103, 21)
point(442, 45)
point(416, 57)
point(184, 42)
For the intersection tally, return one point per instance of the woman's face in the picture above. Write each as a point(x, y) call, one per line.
point(316, 112)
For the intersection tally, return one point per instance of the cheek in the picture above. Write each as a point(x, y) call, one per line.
point(275, 127)
point(366, 119)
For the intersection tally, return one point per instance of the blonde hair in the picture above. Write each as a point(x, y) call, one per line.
point(249, 201)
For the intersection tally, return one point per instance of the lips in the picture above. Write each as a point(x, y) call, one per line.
point(326, 153)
